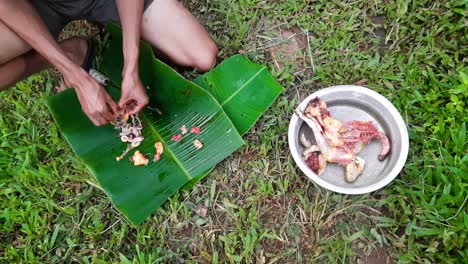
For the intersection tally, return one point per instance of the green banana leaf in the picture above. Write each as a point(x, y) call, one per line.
point(238, 82)
point(244, 90)
point(138, 191)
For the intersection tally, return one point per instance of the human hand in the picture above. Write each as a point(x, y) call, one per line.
point(134, 97)
point(95, 101)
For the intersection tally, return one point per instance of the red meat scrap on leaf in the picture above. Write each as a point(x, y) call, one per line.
point(183, 129)
point(195, 130)
point(176, 137)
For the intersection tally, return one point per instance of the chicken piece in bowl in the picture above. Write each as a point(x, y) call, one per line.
point(341, 138)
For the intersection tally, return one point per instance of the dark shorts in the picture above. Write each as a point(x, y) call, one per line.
point(58, 13)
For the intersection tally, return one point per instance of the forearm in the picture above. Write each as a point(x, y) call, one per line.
point(23, 19)
point(130, 13)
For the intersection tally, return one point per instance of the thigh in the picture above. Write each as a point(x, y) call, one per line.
point(174, 31)
point(11, 45)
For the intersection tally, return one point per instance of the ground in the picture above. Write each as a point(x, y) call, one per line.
point(257, 207)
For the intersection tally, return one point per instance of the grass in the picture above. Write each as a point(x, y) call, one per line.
point(257, 207)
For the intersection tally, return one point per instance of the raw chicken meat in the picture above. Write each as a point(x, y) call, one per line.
point(159, 151)
point(129, 132)
point(197, 143)
point(183, 129)
point(317, 109)
point(337, 142)
point(195, 130)
point(361, 132)
point(139, 159)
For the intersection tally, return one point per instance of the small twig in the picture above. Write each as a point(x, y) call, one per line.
point(274, 60)
point(105, 230)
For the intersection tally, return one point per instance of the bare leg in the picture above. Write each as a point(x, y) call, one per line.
point(171, 29)
point(11, 45)
point(27, 64)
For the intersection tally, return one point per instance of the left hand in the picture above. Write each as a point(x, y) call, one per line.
point(134, 97)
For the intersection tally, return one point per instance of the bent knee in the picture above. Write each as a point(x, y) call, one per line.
point(205, 59)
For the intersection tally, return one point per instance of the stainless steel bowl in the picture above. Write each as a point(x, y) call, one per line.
point(346, 103)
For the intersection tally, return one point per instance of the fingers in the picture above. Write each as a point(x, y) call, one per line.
point(107, 116)
point(121, 103)
point(95, 117)
point(96, 103)
point(108, 113)
point(100, 120)
point(94, 120)
point(130, 107)
point(134, 97)
point(140, 107)
point(133, 106)
point(114, 108)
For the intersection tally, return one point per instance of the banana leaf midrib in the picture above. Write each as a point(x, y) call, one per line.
point(167, 150)
point(243, 86)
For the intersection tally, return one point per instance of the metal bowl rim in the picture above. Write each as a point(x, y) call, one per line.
point(352, 190)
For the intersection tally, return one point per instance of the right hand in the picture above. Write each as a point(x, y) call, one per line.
point(95, 101)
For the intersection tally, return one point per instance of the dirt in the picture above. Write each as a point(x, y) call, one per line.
point(273, 216)
point(288, 47)
point(380, 33)
point(378, 256)
point(185, 231)
point(274, 212)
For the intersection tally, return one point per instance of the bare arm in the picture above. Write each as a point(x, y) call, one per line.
point(133, 97)
point(130, 13)
point(22, 18)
